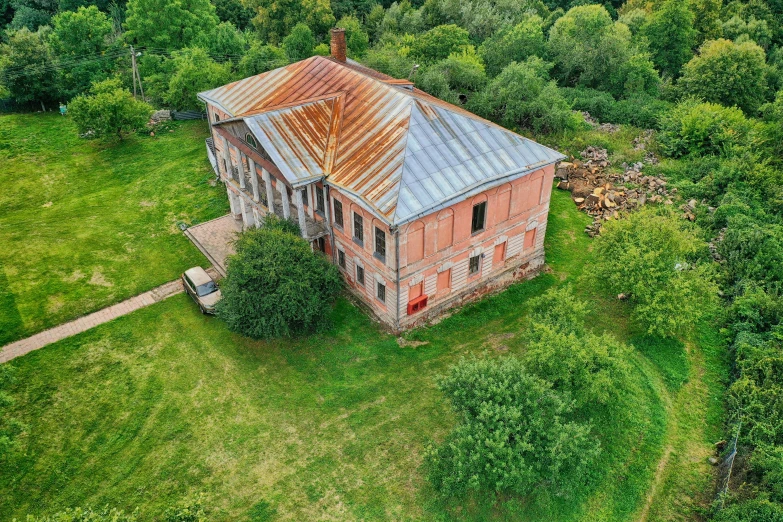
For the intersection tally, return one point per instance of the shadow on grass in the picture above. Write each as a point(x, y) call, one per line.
point(668, 355)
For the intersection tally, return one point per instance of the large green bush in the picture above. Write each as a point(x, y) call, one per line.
point(515, 433)
point(698, 128)
point(109, 111)
point(652, 256)
point(276, 286)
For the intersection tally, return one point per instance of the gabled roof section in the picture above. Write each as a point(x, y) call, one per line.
point(403, 152)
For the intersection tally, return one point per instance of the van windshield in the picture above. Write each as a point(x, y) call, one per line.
point(206, 288)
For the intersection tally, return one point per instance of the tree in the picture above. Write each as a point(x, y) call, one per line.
point(276, 18)
point(109, 111)
point(728, 73)
point(706, 19)
point(168, 24)
point(276, 286)
point(735, 28)
point(513, 44)
point(523, 96)
point(225, 41)
point(356, 38)
point(592, 368)
point(652, 256)
point(439, 42)
point(28, 74)
point(261, 58)
point(671, 36)
point(514, 432)
point(459, 74)
point(79, 34)
point(299, 44)
point(194, 72)
point(233, 11)
point(590, 50)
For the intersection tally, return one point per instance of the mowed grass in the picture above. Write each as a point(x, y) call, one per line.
point(165, 404)
point(85, 224)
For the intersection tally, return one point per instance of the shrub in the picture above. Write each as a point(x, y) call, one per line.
point(592, 368)
point(652, 256)
point(276, 286)
point(261, 58)
point(698, 128)
point(757, 510)
point(729, 73)
point(109, 111)
point(752, 251)
point(514, 432)
point(522, 96)
point(460, 73)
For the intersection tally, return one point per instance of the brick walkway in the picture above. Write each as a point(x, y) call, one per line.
point(215, 239)
point(39, 340)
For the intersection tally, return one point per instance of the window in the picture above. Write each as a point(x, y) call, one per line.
point(445, 229)
point(530, 238)
point(533, 193)
point(358, 228)
point(475, 263)
point(381, 292)
point(251, 140)
point(380, 244)
point(415, 291)
point(415, 243)
point(341, 259)
point(500, 254)
point(444, 280)
point(360, 275)
point(338, 213)
point(503, 205)
point(304, 197)
point(217, 116)
point(479, 216)
point(319, 199)
point(320, 244)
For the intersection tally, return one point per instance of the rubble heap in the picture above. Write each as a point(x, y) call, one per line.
point(604, 195)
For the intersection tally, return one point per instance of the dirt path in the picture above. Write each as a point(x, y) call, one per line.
point(683, 474)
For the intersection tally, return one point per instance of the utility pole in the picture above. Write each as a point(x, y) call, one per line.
point(136, 75)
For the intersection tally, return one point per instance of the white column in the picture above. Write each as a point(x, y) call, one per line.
point(226, 157)
point(270, 196)
point(254, 180)
point(234, 204)
point(240, 167)
point(246, 214)
point(301, 212)
point(257, 218)
point(284, 196)
point(311, 201)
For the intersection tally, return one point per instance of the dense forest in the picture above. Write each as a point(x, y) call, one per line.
point(705, 75)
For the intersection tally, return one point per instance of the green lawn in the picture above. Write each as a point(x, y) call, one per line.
point(85, 224)
point(165, 404)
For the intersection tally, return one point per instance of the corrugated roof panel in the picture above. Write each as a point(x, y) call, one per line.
point(402, 151)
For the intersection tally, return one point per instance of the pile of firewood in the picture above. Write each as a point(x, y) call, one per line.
point(604, 195)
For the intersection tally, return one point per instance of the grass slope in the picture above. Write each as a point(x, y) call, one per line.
point(84, 225)
point(165, 403)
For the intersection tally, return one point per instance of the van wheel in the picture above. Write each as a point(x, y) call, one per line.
point(202, 309)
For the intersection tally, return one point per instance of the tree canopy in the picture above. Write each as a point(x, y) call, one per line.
point(168, 24)
point(109, 111)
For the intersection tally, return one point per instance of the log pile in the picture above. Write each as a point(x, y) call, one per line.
point(604, 195)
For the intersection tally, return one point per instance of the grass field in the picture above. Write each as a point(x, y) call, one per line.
point(165, 404)
point(85, 224)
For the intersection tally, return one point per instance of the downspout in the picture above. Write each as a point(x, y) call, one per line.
point(397, 261)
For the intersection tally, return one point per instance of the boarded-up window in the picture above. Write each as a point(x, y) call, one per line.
point(445, 230)
point(444, 281)
point(530, 238)
point(518, 197)
point(415, 243)
point(500, 254)
point(533, 193)
point(415, 291)
point(503, 206)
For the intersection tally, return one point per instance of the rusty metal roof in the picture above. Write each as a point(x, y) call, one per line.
point(401, 151)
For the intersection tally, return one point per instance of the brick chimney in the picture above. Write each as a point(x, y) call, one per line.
point(338, 44)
